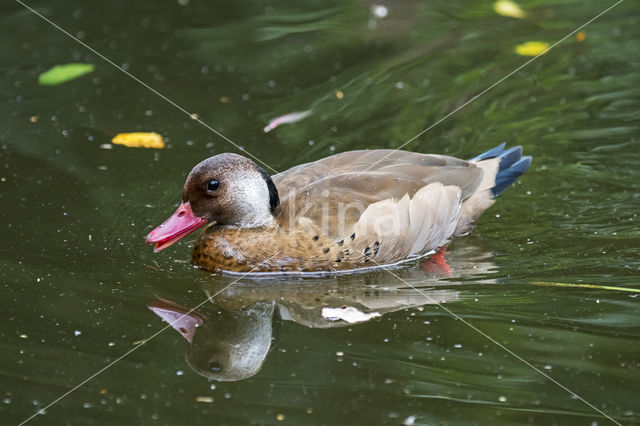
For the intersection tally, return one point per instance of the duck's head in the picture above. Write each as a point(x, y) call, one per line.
point(227, 189)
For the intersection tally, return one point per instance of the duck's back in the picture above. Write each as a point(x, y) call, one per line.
point(334, 191)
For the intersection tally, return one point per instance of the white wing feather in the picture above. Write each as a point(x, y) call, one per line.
point(393, 229)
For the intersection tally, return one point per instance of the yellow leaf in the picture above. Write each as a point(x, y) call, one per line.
point(531, 48)
point(508, 8)
point(581, 35)
point(139, 140)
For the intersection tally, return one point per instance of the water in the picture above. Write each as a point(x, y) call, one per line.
point(77, 278)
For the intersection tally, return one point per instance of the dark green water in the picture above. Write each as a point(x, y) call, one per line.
point(76, 277)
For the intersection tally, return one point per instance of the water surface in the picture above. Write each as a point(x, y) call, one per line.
point(78, 280)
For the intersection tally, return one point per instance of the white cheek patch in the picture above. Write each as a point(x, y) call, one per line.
point(251, 200)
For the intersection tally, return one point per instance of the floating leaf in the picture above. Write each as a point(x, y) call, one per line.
point(61, 73)
point(286, 119)
point(139, 140)
point(509, 9)
point(532, 48)
point(580, 36)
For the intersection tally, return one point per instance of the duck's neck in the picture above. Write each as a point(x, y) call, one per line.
point(256, 221)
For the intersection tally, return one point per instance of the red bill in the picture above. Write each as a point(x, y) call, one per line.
point(179, 225)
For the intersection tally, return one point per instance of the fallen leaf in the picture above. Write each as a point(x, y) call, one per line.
point(532, 48)
point(139, 140)
point(286, 119)
point(580, 36)
point(339, 94)
point(61, 73)
point(207, 399)
point(509, 9)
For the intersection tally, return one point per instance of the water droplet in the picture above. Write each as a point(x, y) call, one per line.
point(379, 11)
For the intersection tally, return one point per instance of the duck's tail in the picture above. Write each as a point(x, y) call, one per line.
point(512, 165)
point(501, 168)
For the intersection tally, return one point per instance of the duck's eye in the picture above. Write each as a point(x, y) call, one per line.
point(213, 185)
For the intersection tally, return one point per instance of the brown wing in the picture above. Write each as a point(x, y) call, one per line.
point(334, 191)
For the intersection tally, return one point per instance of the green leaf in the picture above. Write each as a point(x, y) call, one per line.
point(61, 73)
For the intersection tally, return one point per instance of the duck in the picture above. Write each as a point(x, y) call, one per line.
point(351, 211)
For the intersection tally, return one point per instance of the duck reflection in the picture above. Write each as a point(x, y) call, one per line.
point(230, 340)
